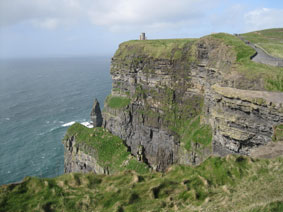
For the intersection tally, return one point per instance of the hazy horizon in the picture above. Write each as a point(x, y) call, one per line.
point(72, 28)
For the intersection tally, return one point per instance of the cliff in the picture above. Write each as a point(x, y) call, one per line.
point(173, 102)
point(179, 101)
point(183, 100)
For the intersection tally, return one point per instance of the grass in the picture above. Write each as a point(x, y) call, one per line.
point(234, 183)
point(110, 150)
point(195, 132)
point(271, 40)
point(184, 119)
point(117, 102)
point(162, 48)
point(275, 206)
point(254, 72)
point(242, 51)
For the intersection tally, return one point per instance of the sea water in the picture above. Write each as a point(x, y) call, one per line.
point(39, 100)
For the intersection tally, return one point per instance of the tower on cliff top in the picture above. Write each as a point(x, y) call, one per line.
point(142, 36)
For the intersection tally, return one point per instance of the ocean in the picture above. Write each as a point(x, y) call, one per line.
point(39, 99)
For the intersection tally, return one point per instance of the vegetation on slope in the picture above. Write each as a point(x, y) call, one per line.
point(162, 48)
point(219, 184)
point(186, 122)
point(183, 118)
point(272, 76)
point(193, 131)
point(110, 149)
point(117, 102)
point(271, 40)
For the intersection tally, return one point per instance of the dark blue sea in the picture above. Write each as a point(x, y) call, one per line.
point(39, 99)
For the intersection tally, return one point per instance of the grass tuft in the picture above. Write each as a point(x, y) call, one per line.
point(117, 102)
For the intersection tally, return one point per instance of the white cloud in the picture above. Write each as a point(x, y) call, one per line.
point(114, 14)
point(264, 18)
point(121, 12)
point(141, 15)
point(42, 13)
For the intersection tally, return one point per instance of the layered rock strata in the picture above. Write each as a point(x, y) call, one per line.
point(180, 101)
point(81, 158)
point(185, 88)
point(243, 120)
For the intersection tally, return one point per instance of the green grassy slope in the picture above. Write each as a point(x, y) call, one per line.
point(272, 76)
point(219, 184)
point(166, 48)
point(271, 40)
point(117, 102)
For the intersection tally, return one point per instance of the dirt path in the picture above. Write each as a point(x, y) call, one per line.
point(261, 56)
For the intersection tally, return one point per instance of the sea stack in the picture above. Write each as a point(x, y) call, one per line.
point(95, 114)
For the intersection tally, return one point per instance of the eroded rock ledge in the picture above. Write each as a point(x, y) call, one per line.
point(243, 120)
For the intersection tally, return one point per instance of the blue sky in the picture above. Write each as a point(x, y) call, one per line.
point(52, 28)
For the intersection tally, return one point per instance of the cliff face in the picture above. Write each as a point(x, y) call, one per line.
point(178, 100)
point(243, 120)
point(98, 151)
point(81, 158)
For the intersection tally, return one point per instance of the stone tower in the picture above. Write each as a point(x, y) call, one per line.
point(142, 36)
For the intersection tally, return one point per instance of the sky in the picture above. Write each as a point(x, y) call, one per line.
point(63, 28)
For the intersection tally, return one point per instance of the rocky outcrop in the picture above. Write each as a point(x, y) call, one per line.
point(96, 150)
point(95, 114)
point(243, 120)
point(81, 158)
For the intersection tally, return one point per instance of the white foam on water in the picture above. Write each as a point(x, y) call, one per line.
point(68, 124)
point(87, 124)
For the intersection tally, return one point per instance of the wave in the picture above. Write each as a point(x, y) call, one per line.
point(87, 124)
point(68, 124)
